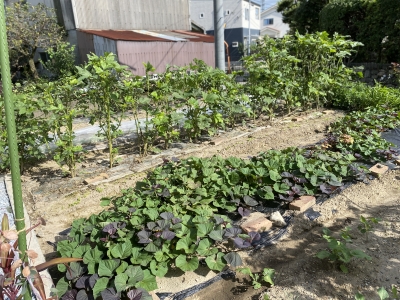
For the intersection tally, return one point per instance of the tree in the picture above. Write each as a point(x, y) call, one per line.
point(375, 23)
point(301, 15)
point(29, 28)
point(62, 60)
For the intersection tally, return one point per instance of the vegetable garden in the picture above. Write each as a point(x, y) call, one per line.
point(181, 214)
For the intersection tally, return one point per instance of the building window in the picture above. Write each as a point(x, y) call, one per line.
point(246, 14)
point(257, 13)
point(235, 44)
point(268, 22)
point(201, 16)
point(227, 12)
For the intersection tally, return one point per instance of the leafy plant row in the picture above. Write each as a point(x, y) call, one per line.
point(184, 103)
point(177, 217)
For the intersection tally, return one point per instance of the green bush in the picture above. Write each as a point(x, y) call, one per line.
point(359, 96)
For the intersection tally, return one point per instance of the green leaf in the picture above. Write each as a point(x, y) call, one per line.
point(80, 251)
point(122, 250)
point(323, 254)
point(184, 244)
point(62, 287)
point(274, 175)
point(216, 235)
point(107, 267)
point(358, 296)
point(383, 294)
point(185, 265)
point(120, 282)
point(268, 275)
point(122, 267)
point(204, 229)
point(148, 283)
point(205, 248)
point(135, 274)
point(344, 268)
point(93, 256)
point(233, 259)
point(245, 271)
point(151, 248)
point(214, 262)
point(158, 269)
point(100, 285)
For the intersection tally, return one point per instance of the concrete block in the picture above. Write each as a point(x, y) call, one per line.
point(302, 204)
point(378, 170)
point(256, 222)
point(92, 180)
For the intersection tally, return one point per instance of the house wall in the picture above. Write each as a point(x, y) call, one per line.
point(86, 45)
point(103, 45)
point(132, 14)
point(278, 23)
point(235, 18)
point(161, 54)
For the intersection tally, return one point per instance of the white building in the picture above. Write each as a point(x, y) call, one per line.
point(239, 16)
point(272, 24)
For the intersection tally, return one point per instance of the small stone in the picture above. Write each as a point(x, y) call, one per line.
point(302, 204)
point(277, 219)
point(154, 295)
point(99, 162)
point(328, 112)
point(378, 170)
point(256, 222)
point(397, 162)
point(297, 119)
point(218, 141)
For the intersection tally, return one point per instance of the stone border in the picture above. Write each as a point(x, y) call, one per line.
point(31, 239)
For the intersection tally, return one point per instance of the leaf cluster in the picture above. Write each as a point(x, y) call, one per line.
point(338, 250)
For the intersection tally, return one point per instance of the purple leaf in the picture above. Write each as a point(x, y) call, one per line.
point(70, 295)
point(92, 280)
point(110, 294)
point(163, 224)
point(232, 232)
point(286, 175)
point(288, 199)
point(244, 212)
point(296, 189)
point(176, 220)
point(287, 182)
point(132, 209)
point(299, 180)
point(165, 193)
point(121, 225)
point(82, 295)
point(168, 235)
point(144, 237)
point(82, 282)
point(254, 236)
point(135, 294)
point(249, 201)
point(167, 215)
point(240, 243)
point(328, 189)
point(151, 225)
point(110, 229)
point(218, 220)
point(175, 159)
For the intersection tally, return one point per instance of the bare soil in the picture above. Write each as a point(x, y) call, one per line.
point(299, 274)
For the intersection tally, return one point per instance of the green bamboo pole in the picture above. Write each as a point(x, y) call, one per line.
point(12, 137)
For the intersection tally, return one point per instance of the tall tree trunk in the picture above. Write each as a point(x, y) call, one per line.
point(32, 66)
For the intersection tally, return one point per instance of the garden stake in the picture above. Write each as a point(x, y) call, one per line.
point(12, 140)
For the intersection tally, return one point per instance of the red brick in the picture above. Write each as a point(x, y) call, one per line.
point(256, 222)
point(302, 204)
point(378, 170)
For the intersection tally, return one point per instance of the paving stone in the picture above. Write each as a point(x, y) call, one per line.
point(378, 170)
point(302, 204)
point(256, 222)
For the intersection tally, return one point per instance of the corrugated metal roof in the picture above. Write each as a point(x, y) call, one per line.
point(161, 35)
point(196, 37)
point(125, 35)
point(151, 36)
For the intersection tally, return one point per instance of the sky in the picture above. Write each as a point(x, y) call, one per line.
point(269, 3)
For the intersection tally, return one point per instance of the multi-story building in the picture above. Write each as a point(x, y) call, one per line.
point(241, 16)
point(272, 23)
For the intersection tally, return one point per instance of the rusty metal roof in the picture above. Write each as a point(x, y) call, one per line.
point(196, 37)
point(125, 35)
point(148, 36)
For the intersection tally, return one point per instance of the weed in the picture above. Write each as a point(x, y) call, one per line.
point(267, 276)
point(338, 250)
point(367, 225)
